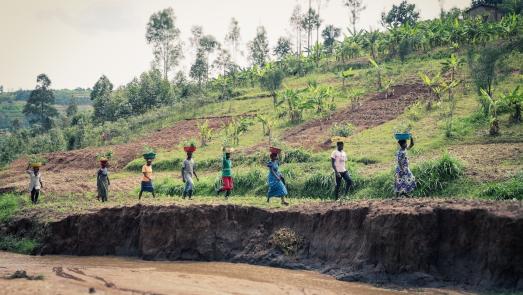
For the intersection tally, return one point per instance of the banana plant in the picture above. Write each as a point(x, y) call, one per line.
point(378, 68)
point(205, 132)
point(515, 100)
point(493, 112)
point(434, 85)
point(346, 75)
point(294, 105)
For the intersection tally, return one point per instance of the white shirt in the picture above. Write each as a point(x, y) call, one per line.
point(34, 182)
point(339, 160)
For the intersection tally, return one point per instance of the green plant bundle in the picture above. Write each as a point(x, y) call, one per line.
point(107, 154)
point(34, 159)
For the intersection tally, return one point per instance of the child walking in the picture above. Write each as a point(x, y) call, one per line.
point(226, 174)
point(187, 173)
point(275, 179)
point(35, 182)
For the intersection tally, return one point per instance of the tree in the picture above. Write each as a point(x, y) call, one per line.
point(329, 34)
point(283, 48)
point(405, 13)
point(163, 35)
point(1, 89)
point(39, 107)
point(223, 61)
point(259, 47)
point(355, 8)
point(208, 44)
point(200, 68)
point(310, 21)
point(100, 96)
point(486, 2)
point(196, 35)
point(271, 79)
point(72, 108)
point(233, 37)
point(296, 20)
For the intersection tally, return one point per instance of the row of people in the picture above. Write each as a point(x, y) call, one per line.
point(404, 183)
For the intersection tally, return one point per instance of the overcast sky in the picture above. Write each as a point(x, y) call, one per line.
point(76, 41)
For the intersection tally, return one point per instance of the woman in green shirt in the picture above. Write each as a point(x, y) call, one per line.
point(226, 174)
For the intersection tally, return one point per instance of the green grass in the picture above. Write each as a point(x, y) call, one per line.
point(9, 206)
point(511, 189)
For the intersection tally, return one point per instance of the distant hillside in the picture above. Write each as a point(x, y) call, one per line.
point(12, 103)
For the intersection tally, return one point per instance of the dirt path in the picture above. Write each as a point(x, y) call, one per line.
point(73, 171)
point(373, 111)
point(109, 275)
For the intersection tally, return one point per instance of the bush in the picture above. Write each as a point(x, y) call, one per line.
point(506, 190)
point(344, 130)
point(18, 245)
point(433, 176)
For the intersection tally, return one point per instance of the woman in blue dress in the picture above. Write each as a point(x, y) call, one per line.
point(405, 181)
point(276, 181)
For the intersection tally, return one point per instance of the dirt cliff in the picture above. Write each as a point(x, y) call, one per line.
point(406, 242)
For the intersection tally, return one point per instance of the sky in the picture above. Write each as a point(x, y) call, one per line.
point(76, 41)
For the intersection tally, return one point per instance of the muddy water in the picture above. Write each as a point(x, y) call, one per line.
point(114, 275)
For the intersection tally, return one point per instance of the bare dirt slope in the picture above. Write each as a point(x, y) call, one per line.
point(371, 112)
point(73, 171)
point(420, 242)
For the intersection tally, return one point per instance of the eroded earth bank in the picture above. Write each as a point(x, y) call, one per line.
point(431, 243)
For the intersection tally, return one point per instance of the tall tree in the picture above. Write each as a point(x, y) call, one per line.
point(196, 35)
point(101, 96)
point(223, 61)
point(355, 8)
point(39, 107)
point(208, 44)
point(310, 21)
point(283, 47)
point(164, 36)
point(405, 13)
point(296, 20)
point(329, 34)
point(200, 68)
point(259, 47)
point(233, 37)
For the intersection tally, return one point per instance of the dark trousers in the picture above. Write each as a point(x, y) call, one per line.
point(348, 183)
point(34, 195)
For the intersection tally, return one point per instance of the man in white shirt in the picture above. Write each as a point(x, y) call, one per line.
point(35, 182)
point(338, 158)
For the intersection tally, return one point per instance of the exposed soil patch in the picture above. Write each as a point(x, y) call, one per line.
point(419, 242)
point(373, 111)
point(73, 171)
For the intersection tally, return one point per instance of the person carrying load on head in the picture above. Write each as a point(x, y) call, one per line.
point(147, 171)
point(338, 159)
point(405, 182)
point(35, 181)
point(188, 171)
point(102, 180)
point(228, 184)
point(275, 178)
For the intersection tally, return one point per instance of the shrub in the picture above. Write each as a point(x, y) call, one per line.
point(18, 245)
point(344, 130)
point(433, 176)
